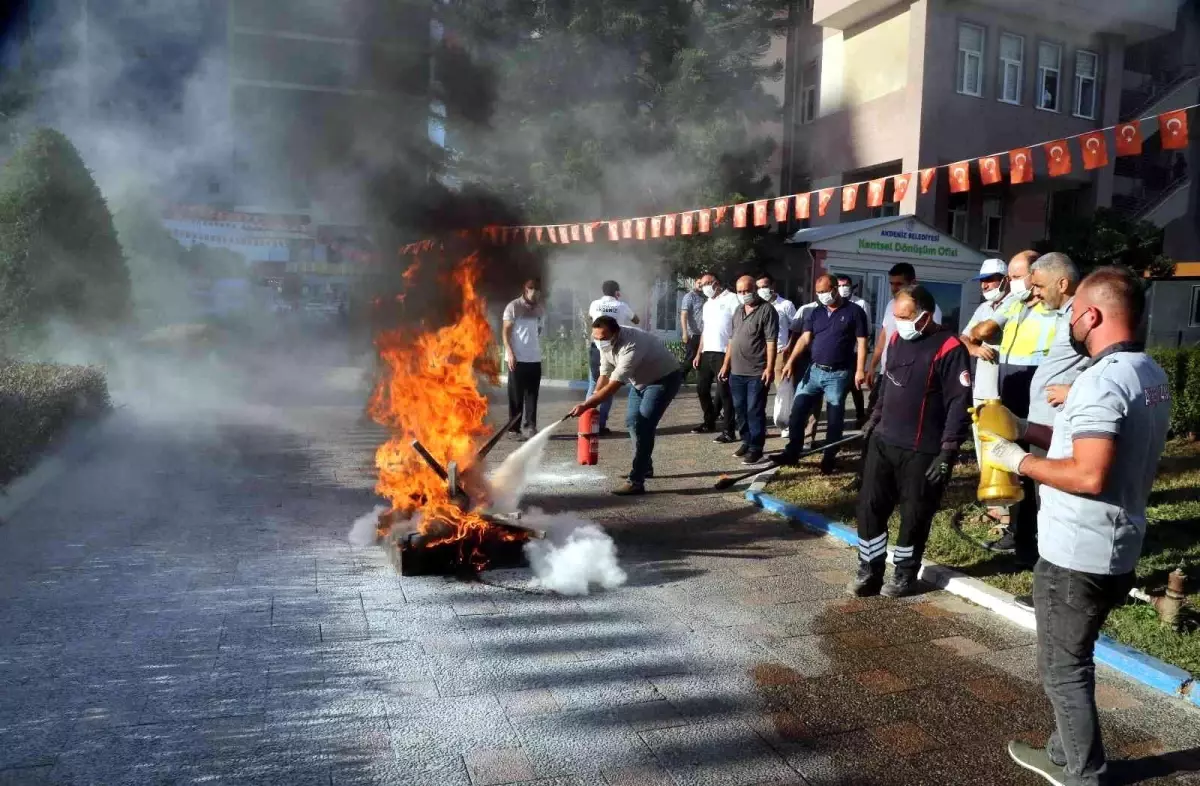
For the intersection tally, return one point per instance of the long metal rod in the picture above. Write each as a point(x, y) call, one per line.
point(495, 438)
point(429, 459)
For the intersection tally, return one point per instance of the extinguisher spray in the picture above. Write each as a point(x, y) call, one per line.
point(587, 448)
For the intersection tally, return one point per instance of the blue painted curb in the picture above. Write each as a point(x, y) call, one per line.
point(1134, 664)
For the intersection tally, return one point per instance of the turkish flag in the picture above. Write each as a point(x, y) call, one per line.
point(781, 210)
point(538, 232)
point(564, 235)
point(1174, 129)
point(627, 229)
point(614, 231)
point(552, 232)
point(575, 232)
point(900, 184)
point(685, 223)
point(803, 205)
point(1020, 165)
point(656, 226)
point(824, 197)
point(989, 170)
point(760, 213)
point(588, 232)
point(528, 233)
point(960, 177)
point(669, 225)
point(927, 176)
point(721, 211)
point(739, 216)
point(1094, 147)
point(1058, 158)
point(705, 222)
point(849, 197)
point(875, 192)
point(1129, 138)
point(639, 228)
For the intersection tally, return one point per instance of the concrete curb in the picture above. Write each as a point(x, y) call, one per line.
point(76, 445)
point(1134, 664)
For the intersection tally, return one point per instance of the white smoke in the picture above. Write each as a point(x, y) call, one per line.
point(511, 478)
point(575, 554)
point(362, 531)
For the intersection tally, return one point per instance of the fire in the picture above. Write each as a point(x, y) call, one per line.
point(429, 392)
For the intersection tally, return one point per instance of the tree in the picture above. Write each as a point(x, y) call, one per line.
point(610, 108)
point(1109, 237)
point(57, 240)
point(158, 275)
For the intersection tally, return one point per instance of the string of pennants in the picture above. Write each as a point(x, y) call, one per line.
point(348, 252)
point(1093, 151)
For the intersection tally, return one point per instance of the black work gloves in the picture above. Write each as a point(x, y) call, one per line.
point(939, 471)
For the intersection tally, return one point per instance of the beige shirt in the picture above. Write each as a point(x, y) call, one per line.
point(637, 358)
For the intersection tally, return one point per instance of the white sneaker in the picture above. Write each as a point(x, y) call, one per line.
point(783, 433)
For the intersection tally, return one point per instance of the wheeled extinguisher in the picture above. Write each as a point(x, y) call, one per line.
point(587, 449)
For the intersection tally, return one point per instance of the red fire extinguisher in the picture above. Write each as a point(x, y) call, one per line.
point(587, 449)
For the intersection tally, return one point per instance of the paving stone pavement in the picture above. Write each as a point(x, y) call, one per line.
point(183, 607)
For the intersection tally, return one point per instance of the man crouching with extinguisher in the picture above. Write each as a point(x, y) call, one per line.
point(641, 359)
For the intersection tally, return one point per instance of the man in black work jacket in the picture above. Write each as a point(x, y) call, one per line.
point(914, 432)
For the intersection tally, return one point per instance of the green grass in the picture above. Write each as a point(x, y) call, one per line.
point(1172, 540)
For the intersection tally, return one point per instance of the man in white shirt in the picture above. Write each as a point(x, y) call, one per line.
point(901, 275)
point(786, 310)
point(717, 318)
point(846, 291)
point(523, 354)
point(609, 305)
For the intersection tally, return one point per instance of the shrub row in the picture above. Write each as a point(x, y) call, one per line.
point(1183, 371)
point(37, 402)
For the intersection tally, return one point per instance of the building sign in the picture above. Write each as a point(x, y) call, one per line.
point(912, 239)
point(915, 249)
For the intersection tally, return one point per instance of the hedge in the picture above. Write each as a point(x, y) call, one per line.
point(37, 402)
point(1183, 372)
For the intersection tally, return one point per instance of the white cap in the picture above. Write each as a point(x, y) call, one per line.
point(992, 267)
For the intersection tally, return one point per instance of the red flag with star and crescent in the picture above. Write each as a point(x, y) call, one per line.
point(1058, 158)
point(1094, 148)
point(639, 228)
point(739, 216)
point(849, 197)
point(626, 228)
point(669, 225)
point(1174, 129)
point(1020, 165)
point(760, 213)
point(1129, 138)
point(927, 176)
point(575, 232)
point(704, 220)
point(721, 211)
point(824, 197)
point(685, 223)
point(900, 184)
point(614, 231)
point(875, 192)
point(656, 226)
point(960, 177)
point(781, 210)
point(803, 205)
point(989, 170)
point(588, 230)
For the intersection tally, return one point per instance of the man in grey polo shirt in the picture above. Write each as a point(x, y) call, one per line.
point(630, 355)
point(1103, 452)
point(750, 366)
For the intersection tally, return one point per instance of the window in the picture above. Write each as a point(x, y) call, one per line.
point(809, 85)
point(1086, 67)
point(993, 224)
point(970, 60)
point(1012, 67)
point(1195, 307)
point(886, 209)
point(1049, 69)
point(957, 219)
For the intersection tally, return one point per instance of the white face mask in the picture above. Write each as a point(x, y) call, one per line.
point(907, 328)
point(844, 291)
point(602, 343)
point(825, 298)
point(1019, 287)
point(708, 290)
point(992, 295)
point(766, 293)
point(746, 297)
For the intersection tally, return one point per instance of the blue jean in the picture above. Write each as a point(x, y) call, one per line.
point(646, 408)
point(816, 384)
point(750, 408)
point(594, 374)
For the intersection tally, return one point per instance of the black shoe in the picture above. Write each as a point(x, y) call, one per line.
point(754, 457)
point(1005, 544)
point(902, 584)
point(742, 450)
point(868, 581)
point(783, 459)
point(828, 469)
point(605, 431)
point(704, 429)
point(725, 439)
point(1024, 601)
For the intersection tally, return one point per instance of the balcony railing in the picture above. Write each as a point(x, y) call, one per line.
point(1136, 102)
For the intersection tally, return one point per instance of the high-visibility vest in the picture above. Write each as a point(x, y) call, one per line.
point(1028, 334)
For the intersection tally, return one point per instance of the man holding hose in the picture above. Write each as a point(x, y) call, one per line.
point(630, 355)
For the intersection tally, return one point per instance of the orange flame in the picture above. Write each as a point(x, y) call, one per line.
point(429, 391)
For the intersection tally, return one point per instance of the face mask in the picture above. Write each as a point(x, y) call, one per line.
point(907, 328)
point(602, 343)
point(1020, 288)
point(766, 294)
point(826, 298)
point(992, 295)
point(844, 291)
point(746, 297)
point(708, 291)
point(1079, 345)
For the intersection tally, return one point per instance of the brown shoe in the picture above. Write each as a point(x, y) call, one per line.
point(629, 490)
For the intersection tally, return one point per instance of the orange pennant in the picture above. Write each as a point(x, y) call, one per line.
point(989, 170)
point(639, 230)
point(656, 226)
point(803, 205)
point(760, 213)
point(575, 232)
point(1129, 139)
point(900, 184)
point(1020, 165)
point(1094, 147)
point(927, 176)
point(849, 197)
point(739, 216)
point(721, 211)
point(685, 223)
point(1058, 158)
point(669, 225)
point(875, 192)
point(1174, 129)
point(824, 197)
point(960, 177)
point(781, 210)
point(588, 230)
point(627, 229)
point(538, 231)
point(614, 231)
point(706, 220)
point(553, 233)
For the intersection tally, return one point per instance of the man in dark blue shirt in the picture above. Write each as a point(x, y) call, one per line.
point(836, 335)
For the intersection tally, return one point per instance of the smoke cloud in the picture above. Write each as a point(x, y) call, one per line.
point(575, 556)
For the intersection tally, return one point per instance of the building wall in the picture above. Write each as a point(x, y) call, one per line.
point(1171, 306)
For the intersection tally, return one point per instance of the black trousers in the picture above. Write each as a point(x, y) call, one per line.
point(524, 380)
point(1024, 519)
point(896, 476)
point(690, 348)
point(720, 407)
point(860, 411)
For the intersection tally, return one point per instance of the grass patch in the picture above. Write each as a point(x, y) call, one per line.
point(1171, 541)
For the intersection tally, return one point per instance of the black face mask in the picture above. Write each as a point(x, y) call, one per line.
point(1079, 345)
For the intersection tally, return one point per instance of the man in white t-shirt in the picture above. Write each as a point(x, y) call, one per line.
point(846, 291)
point(901, 275)
point(609, 305)
point(716, 331)
point(523, 354)
point(786, 310)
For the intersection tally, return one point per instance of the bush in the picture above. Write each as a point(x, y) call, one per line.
point(1183, 372)
point(37, 402)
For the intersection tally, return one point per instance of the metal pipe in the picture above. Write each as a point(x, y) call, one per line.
point(495, 438)
point(429, 459)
